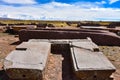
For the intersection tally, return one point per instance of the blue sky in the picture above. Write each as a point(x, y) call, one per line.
point(100, 10)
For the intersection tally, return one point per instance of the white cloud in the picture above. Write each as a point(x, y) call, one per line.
point(102, 2)
point(20, 1)
point(112, 1)
point(59, 11)
point(59, 4)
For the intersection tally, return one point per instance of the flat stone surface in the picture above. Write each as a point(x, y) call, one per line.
point(22, 46)
point(87, 44)
point(85, 60)
point(56, 41)
point(32, 58)
point(93, 27)
point(31, 45)
point(38, 40)
point(47, 40)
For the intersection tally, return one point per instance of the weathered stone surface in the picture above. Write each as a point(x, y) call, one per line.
point(28, 64)
point(25, 74)
point(88, 45)
point(29, 60)
point(89, 65)
point(58, 40)
point(19, 27)
point(22, 46)
point(38, 40)
point(99, 37)
point(32, 45)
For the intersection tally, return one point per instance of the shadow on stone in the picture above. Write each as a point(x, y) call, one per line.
point(3, 75)
point(16, 43)
point(67, 69)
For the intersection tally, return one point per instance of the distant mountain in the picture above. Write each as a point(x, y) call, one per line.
point(1, 18)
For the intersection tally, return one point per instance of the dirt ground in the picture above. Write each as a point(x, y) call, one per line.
point(113, 54)
point(58, 68)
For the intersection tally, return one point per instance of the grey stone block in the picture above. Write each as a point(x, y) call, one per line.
point(89, 65)
point(28, 64)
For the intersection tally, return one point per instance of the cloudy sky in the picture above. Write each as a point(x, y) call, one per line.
point(100, 10)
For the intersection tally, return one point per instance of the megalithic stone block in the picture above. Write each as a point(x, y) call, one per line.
point(99, 37)
point(89, 65)
point(29, 64)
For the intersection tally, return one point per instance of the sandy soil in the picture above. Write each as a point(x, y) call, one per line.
point(58, 68)
point(6, 44)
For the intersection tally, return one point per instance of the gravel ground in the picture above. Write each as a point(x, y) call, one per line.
point(58, 67)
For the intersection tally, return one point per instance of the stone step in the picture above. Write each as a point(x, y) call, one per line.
point(31, 45)
point(88, 45)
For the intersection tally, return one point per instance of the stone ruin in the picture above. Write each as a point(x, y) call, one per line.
point(29, 60)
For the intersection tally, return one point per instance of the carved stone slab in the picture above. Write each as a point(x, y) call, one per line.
point(89, 65)
point(28, 64)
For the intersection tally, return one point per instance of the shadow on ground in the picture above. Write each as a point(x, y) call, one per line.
point(67, 68)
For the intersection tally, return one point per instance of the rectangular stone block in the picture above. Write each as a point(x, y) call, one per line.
point(89, 65)
point(29, 64)
point(99, 37)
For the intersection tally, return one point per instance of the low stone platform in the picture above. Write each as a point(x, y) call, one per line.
point(27, 64)
point(90, 65)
